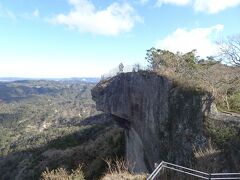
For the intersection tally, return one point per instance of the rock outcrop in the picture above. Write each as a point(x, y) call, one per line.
point(162, 120)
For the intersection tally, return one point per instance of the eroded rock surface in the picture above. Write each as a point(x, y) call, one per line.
point(162, 120)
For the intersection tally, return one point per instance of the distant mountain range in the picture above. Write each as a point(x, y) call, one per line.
point(84, 79)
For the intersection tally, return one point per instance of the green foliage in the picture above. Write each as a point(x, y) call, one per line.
point(225, 135)
point(234, 102)
point(190, 58)
point(158, 58)
point(222, 134)
point(67, 141)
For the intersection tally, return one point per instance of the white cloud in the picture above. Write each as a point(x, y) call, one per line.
point(214, 6)
point(143, 1)
point(4, 12)
point(175, 2)
point(31, 15)
point(36, 13)
point(113, 20)
point(184, 40)
point(208, 6)
point(10, 14)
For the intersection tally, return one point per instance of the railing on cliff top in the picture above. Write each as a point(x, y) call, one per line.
point(191, 172)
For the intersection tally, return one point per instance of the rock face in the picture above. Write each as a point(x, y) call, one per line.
point(162, 121)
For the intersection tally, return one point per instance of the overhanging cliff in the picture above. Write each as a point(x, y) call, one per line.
point(162, 121)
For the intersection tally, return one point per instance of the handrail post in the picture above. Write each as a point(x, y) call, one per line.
point(192, 172)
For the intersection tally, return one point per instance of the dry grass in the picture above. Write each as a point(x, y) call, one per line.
point(207, 159)
point(119, 170)
point(63, 174)
point(123, 176)
point(208, 151)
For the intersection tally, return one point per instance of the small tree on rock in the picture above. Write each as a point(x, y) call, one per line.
point(120, 68)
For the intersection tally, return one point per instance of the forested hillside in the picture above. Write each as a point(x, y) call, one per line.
point(31, 109)
point(42, 126)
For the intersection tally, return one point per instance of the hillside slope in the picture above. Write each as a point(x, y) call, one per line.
point(53, 124)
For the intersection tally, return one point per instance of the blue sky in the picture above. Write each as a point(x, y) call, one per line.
point(72, 38)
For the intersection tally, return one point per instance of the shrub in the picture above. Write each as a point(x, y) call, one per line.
point(118, 169)
point(207, 158)
point(234, 102)
point(63, 174)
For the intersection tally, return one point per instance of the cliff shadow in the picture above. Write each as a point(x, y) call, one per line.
point(97, 139)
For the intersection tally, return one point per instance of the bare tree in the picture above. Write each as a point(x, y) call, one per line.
point(221, 80)
point(230, 49)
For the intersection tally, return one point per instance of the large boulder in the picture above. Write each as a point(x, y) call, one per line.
point(163, 120)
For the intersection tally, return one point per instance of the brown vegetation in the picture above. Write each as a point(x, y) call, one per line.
point(207, 159)
point(119, 169)
point(63, 174)
point(208, 75)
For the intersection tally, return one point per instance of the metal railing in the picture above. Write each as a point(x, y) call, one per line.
point(191, 172)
